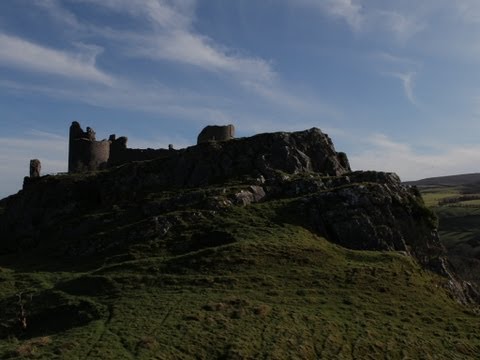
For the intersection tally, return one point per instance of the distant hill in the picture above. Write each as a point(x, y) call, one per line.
point(450, 180)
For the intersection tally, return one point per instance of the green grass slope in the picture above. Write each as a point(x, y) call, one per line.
point(240, 283)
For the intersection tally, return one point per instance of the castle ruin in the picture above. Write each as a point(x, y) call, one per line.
point(86, 153)
point(216, 133)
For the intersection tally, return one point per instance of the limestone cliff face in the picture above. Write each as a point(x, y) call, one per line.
point(264, 154)
point(370, 211)
point(357, 210)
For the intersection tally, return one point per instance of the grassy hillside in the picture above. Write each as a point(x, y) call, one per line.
point(235, 283)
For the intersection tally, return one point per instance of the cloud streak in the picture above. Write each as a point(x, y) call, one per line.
point(170, 36)
point(165, 32)
point(344, 9)
point(58, 13)
point(200, 51)
point(408, 83)
point(364, 17)
point(184, 105)
point(23, 54)
point(401, 26)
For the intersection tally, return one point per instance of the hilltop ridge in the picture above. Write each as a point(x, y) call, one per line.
point(219, 227)
point(360, 210)
point(448, 180)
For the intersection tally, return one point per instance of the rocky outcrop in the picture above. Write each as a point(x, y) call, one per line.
point(373, 211)
point(264, 155)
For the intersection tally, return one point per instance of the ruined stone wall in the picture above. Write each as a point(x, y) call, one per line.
point(123, 156)
point(35, 168)
point(85, 153)
point(78, 155)
point(99, 153)
point(88, 154)
point(216, 133)
point(76, 148)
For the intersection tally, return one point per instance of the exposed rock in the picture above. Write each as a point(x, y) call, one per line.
point(374, 216)
point(252, 195)
point(374, 211)
point(257, 192)
point(264, 155)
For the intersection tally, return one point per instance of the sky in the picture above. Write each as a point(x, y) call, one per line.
point(395, 84)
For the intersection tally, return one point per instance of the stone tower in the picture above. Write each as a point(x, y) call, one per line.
point(85, 153)
point(216, 133)
point(35, 168)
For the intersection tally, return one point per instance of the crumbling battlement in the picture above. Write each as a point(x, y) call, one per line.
point(86, 153)
point(121, 154)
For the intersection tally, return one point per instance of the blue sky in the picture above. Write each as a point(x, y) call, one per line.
point(396, 84)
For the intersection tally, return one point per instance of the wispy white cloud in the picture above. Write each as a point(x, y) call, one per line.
point(182, 104)
point(394, 59)
point(23, 54)
point(171, 37)
point(167, 14)
point(347, 10)
point(194, 49)
point(384, 154)
point(167, 33)
point(367, 17)
point(468, 10)
point(402, 68)
point(402, 26)
point(58, 13)
point(408, 83)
